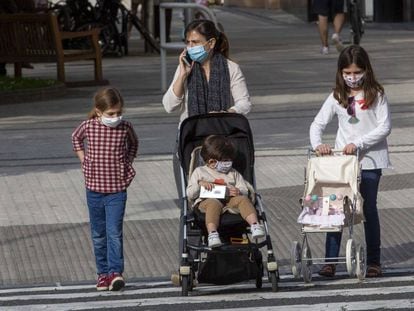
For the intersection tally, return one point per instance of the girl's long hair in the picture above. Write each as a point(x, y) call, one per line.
point(355, 54)
point(105, 98)
point(207, 29)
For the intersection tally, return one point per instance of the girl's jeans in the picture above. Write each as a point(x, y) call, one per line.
point(369, 191)
point(106, 215)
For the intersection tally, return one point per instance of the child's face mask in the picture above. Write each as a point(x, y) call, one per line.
point(111, 122)
point(354, 81)
point(224, 166)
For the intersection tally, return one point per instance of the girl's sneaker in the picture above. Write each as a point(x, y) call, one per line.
point(257, 231)
point(116, 281)
point(103, 282)
point(214, 239)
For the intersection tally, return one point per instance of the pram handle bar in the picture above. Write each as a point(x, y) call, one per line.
point(334, 152)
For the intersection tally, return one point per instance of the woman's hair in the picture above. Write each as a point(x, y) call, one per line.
point(218, 148)
point(355, 54)
point(207, 29)
point(105, 98)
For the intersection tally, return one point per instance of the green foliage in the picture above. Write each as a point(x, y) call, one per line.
point(10, 84)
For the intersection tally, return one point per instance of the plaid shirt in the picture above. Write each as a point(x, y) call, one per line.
point(106, 166)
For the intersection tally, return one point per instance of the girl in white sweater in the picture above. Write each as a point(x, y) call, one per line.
point(364, 123)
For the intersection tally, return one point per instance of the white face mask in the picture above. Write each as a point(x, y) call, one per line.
point(224, 166)
point(354, 81)
point(111, 122)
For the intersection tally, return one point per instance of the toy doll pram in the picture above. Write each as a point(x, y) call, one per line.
point(330, 202)
point(239, 259)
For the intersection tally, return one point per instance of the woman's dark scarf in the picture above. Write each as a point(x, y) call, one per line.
point(214, 95)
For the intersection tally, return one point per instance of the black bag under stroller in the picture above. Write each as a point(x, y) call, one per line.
point(240, 258)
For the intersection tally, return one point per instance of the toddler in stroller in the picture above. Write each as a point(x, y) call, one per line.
point(223, 223)
point(216, 187)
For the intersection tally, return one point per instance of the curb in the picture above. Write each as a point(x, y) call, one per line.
point(32, 95)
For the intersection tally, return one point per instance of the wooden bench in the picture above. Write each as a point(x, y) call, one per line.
point(36, 38)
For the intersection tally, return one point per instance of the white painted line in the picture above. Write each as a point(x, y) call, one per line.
point(60, 287)
point(213, 297)
point(166, 286)
point(348, 306)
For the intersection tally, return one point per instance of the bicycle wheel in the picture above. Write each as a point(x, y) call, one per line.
point(64, 15)
point(108, 37)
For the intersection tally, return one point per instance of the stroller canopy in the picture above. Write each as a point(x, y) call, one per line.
point(195, 129)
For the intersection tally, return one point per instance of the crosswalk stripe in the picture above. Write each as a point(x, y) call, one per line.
point(165, 286)
point(348, 306)
point(196, 299)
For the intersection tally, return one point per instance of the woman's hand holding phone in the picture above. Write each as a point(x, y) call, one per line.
point(185, 62)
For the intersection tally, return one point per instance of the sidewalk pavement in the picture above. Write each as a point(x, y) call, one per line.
point(44, 231)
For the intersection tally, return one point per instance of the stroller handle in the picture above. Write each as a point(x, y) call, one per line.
point(334, 152)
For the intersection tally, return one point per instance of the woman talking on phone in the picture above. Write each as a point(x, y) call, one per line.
point(206, 80)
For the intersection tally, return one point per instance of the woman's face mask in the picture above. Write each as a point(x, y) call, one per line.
point(197, 53)
point(354, 81)
point(224, 166)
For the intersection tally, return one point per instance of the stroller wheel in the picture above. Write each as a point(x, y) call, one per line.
point(350, 257)
point(185, 280)
point(307, 264)
point(361, 262)
point(295, 259)
point(273, 279)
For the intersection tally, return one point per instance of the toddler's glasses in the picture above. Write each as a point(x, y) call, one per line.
point(351, 110)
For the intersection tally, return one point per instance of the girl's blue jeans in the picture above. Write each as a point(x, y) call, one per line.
point(106, 215)
point(369, 191)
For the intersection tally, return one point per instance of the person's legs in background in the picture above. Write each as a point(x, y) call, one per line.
point(323, 33)
point(338, 23)
point(168, 18)
point(324, 8)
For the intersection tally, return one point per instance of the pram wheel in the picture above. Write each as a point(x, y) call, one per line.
point(187, 283)
point(184, 285)
point(273, 280)
point(361, 262)
point(350, 257)
point(307, 264)
point(295, 259)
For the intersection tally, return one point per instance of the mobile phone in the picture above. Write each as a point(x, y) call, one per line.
point(187, 60)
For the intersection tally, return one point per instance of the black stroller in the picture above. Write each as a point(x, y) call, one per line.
point(240, 258)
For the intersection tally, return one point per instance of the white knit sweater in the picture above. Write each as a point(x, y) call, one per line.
point(369, 134)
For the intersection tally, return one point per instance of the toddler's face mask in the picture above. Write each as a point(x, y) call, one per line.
point(354, 81)
point(224, 166)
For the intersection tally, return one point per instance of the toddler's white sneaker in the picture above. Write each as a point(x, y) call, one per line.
point(257, 231)
point(214, 239)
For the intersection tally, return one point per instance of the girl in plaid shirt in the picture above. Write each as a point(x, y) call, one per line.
point(112, 146)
